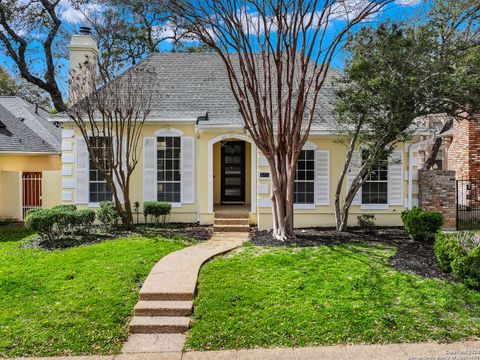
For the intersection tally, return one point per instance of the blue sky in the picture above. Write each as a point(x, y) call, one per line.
point(405, 10)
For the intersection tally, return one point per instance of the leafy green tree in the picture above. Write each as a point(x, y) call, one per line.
point(8, 87)
point(396, 74)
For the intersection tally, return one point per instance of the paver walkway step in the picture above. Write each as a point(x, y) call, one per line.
point(159, 324)
point(163, 308)
point(231, 228)
point(161, 315)
point(231, 221)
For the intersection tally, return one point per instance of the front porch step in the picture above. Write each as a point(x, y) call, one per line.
point(159, 324)
point(163, 308)
point(225, 214)
point(152, 296)
point(231, 221)
point(231, 228)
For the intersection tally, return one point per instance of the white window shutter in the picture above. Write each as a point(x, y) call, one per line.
point(395, 178)
point(188, 181)
point(149, 169)
point(82, 171)
point(322, 184)
point(353, 170)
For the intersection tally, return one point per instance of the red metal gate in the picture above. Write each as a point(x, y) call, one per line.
point(31, 191)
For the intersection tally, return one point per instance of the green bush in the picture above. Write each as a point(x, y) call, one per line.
point(366, 222)
point(460, 253)
point(157, 210)
point(65, 207)
point(43, 222)
point(84, 220)
point(447, 248)
point(467, 268)
point(420, 224)
point(107, 214)
point(59, 221)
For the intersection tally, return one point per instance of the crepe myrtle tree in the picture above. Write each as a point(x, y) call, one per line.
point(393, 77)
point(276, 54)
point(111, 121)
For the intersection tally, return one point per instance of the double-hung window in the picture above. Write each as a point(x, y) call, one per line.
point(304, 192)
point(168, 169)
point(375, 187)
point(98, 187)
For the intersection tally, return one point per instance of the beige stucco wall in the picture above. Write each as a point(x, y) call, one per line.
point(11, 194)
point(320, 215)
point(51, 188)
point(323, 215)
point(11, 168)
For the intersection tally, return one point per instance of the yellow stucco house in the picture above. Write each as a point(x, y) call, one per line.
point(197, 155)
point(30, 163)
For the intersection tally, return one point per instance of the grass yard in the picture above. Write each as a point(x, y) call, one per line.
point(266, 297)
point(74, 301)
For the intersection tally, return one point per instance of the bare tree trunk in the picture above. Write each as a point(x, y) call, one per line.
point(436, 146)
point(341, 214)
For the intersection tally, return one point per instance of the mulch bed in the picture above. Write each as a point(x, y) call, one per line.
point(411, 256)
point(98, 235)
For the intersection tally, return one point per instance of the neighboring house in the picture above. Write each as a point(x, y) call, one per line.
point(30, 149)
point(198, 156)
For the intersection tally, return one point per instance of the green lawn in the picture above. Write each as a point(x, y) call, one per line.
point(74, 301)
point(266, 297)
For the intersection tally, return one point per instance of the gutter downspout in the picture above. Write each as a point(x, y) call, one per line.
point(197, 173)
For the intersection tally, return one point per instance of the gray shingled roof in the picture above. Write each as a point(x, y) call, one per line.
point(188, 85)
point(35, 118)
point(16, 136)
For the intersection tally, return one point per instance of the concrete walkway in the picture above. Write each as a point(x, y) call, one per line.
point(166, 298)
point(467, 350)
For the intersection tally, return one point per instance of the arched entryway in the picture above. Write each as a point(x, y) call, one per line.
point(232, 171)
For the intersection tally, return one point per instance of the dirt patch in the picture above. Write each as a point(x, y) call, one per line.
point(411, 256)
point(171, 230)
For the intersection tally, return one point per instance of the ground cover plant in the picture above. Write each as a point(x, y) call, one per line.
point(334, 292)
point(71, 301)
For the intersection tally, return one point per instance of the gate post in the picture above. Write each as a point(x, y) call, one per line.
point(437, 192)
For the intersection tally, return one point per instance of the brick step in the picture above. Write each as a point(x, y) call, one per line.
point(231, 221)
point(231, 228)
point(231, 215)
point(165, 296)
point(163, 308)
point(159, 324)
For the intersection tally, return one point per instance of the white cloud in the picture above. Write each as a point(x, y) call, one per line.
point(77, 15)
point(408, 2)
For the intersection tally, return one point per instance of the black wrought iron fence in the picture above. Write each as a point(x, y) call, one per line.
point(468, 204)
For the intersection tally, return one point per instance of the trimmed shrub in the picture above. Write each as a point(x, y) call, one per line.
point(447, 248)
point(366, 222)
point(43, 221)
point(107, 214)
point(420, 224)
point(467, 268)
point(460, 253)
point(84, 220)
point(65, 208)
point(157, 210)
point(53, 223)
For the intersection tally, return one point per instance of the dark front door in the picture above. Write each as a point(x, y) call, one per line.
point(233, 172)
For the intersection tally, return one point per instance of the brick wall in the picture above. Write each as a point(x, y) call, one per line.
point(464, 151)
point(437, 192)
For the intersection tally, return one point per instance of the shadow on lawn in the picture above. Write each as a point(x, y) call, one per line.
point(410, 256)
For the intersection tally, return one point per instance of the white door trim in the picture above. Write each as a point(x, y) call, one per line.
point(253, 173)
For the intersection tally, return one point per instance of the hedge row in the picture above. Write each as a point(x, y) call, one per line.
point(64, 220)
point(459, 253)
point(421, 225)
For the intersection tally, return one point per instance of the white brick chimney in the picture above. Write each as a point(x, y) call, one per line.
point(83, 48)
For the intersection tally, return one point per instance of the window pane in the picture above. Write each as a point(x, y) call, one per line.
point(168, 166)
point(304, 188)
point(375, 188)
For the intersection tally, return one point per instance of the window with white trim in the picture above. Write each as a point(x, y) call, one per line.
point(98, 187)
point(168, 169)
point(304, 192)
point(375, 187)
